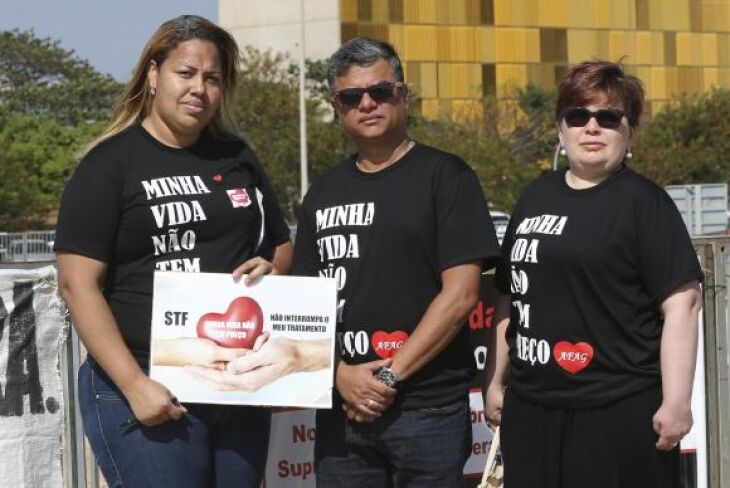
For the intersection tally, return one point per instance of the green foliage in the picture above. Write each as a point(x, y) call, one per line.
point(535, 135)
point(37, 157)
point(688, 142)
point(38, 77)
point(50, 101)
point(502, 175)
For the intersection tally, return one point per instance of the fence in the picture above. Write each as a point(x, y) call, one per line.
point(703, 207)
point(22, 247)
point(714, 255)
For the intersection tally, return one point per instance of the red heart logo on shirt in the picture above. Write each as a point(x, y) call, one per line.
point(386, 344)
point(238, 327)
point(573, 358)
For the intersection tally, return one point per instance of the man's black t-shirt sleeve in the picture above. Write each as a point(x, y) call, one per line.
point(465, 232)
point(666, 257)
point(90, 210)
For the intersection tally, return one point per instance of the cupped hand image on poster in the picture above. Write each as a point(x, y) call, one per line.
point(256, 368)
point(218, 340)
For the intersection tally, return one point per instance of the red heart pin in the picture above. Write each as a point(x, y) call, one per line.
point(238, 327)
point(573, 358)
point(386, 344)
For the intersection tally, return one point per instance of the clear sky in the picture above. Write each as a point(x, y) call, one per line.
point(110, 34)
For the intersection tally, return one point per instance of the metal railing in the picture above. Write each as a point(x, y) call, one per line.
point(75, 462)
point(24, 247)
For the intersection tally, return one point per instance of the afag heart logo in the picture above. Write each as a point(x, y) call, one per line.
point(239, 197)
point(386, 344)
point(238, 327)
point(573, 358)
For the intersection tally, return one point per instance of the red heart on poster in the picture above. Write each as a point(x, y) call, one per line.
point(238, 327)
point(386, 344)
point(573, 358)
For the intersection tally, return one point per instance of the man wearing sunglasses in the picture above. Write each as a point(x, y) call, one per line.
point(406, 231)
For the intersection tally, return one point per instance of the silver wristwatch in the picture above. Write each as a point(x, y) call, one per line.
point(388, 377)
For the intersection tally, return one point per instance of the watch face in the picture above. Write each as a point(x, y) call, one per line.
point(387, 377)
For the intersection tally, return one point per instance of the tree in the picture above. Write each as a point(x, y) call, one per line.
point(535, 134)
point(38, 77)
point(267, 111)
point(687, 142)
point(50, 105)
point(501, 173)
point(38, 155)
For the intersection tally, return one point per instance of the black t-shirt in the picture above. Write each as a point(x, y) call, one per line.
point(141, 206)
point(588, 271)
point(386, 237)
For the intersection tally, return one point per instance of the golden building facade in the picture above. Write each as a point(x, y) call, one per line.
point(457, 51)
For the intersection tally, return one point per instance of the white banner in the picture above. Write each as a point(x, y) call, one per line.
point(481, 436)
point(291, 449)
point(32, 329)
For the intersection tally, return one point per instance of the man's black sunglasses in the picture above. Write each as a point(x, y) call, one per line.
point(380, 92)
point(608, 118)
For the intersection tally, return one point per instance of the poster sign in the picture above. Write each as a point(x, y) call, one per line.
point(32, 328)
point(217, 340)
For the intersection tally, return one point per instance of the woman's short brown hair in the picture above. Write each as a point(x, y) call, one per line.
point(587, 81)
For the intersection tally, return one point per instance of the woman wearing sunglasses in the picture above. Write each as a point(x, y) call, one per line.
point(597, 333)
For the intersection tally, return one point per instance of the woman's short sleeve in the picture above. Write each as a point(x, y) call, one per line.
point(90, 209)
point(667, 258)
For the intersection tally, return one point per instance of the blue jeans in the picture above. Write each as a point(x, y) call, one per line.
point(211, 446)
point(425, 447)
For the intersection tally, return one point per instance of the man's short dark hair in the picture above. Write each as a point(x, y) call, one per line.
point(362, 51)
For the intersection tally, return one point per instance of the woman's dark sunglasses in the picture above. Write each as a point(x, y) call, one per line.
point(608, 118)
point(381, 92)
